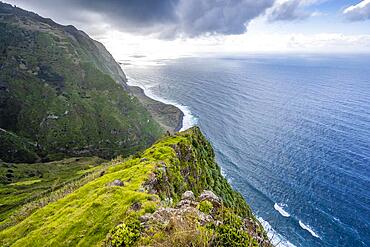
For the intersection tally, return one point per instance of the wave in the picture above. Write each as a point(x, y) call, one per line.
point(188, 121)
point(307, 228)
point(275, 238)
point(279, 207)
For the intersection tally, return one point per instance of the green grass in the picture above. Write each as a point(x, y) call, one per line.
point(58, 99)
point(23, 183)
point(85, 216)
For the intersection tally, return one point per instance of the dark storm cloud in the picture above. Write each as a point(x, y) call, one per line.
point(166, 18)
point(223, 17)
point(140, 12)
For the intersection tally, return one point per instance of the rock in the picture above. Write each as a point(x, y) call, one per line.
point(146, 217)
point(188, 195)
point(162, 163)
point(116, 182)
point(154, 198)
point(210, 196)
point(164, 216)
point(150, 184)
point(141, 189)
point(187, 203)
point(136, 206)
point(204, 218)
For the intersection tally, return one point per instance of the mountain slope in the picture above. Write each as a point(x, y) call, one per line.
point(157, 188)
point(21, 184)
point(62, 94)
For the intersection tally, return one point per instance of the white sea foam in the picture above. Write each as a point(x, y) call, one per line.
point(276, 239)
point(279, 207)
point(307, 228)
point(189, 120)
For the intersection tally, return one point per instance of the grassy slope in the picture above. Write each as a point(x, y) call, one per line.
point(86, 216)
point(22, 183)
point(56, 93)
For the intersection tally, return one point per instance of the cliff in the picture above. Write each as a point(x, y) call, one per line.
point(62, 94)
point(172, 194)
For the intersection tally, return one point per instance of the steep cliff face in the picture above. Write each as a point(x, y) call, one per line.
point(172, 194)
point(62, 94)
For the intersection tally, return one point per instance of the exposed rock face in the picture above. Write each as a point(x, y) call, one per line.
point(187, 218)
point(188, 195)
point(208, 195)
point(184, 209)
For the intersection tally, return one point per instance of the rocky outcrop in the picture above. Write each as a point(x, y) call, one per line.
point(188, 195)
point(191, 218)
point(208, 195)
point(187, 206)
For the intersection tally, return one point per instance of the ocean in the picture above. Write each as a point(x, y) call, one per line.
point(291, 133)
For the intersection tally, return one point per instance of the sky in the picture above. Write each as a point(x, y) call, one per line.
point(174, 28)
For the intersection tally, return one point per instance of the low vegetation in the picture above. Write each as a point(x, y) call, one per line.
point(62, 95)
point(107, 209)
point(21, 184)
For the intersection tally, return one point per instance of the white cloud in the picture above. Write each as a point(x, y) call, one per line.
point(125, 46)
point(290, 10)
point(358, 12)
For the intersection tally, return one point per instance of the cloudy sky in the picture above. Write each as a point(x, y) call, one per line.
point(170, 28)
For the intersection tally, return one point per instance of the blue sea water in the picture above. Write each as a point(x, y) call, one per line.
point(291, 133)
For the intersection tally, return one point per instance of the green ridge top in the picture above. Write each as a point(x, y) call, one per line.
point(147, 182)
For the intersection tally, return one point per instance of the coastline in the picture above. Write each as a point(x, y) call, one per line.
point(168, 116)
point(172, 116)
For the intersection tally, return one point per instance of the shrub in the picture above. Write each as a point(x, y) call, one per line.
point(124, 234)
point(231, 232)
point(205, 207)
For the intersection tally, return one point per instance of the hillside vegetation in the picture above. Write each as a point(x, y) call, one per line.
point(62, 94)
point(24, 183)
point(140, 202)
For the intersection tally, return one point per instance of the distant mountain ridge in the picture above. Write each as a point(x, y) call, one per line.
point(63, 94)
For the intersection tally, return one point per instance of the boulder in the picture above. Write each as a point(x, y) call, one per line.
point(116, 182)
point(208, 195)
point(136, 206)
point(188, 195)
